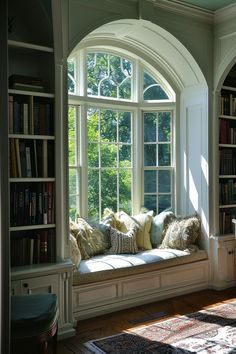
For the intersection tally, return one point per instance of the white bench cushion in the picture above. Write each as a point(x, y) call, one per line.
point(104, 267)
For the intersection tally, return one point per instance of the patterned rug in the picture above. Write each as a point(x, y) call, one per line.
point(208, 331)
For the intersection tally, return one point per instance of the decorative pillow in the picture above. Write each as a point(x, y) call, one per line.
point(75, 254)
point(182, 232)
point(104, 229)
point(144, 222)
point(112, 219)
point(123, 242)
point(90, 241)
point(159, 222)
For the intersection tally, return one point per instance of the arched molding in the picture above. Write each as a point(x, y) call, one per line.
point(224, 68)
point(151, 42)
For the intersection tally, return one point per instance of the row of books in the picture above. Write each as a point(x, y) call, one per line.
point(227, 131)
point(227, 191)
point(225, 221)
point(31, 158)
point(30, 115)
point(227, 162)
point(228, 105)
point(32, 203)
point(29, 248)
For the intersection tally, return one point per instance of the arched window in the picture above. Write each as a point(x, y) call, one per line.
point(121, 115)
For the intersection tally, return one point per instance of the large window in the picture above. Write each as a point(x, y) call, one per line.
point(120, 132)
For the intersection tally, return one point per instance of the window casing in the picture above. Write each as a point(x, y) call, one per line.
point(141, 149)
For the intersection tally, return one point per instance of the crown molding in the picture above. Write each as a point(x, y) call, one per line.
point(225, 14)
point(178, 7)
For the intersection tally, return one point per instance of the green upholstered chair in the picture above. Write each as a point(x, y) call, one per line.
point(34, 323)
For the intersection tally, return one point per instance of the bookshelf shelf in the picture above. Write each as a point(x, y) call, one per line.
point(32, 227)
point(27, 136)
point(32, 179)
point(31, 93)
point(30, 46)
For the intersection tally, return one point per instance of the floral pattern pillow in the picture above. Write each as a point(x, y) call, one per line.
point(90, 241)
point(181, 233)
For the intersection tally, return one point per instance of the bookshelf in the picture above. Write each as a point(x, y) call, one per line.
point(37, 243)
point(32, 175)
point(227, 157)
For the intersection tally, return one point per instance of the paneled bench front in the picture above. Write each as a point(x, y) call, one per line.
point(107, 283)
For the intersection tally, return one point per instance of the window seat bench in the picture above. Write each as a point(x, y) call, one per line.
point(107, 283)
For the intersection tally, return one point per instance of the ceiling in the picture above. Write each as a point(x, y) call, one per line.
point(211, 5)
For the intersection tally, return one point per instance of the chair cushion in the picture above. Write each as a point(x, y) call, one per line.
point(33, 314)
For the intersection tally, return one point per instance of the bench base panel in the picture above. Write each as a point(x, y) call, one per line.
point(112, 295)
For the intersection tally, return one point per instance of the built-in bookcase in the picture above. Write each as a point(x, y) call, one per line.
point(227, 157)
point(31, 156)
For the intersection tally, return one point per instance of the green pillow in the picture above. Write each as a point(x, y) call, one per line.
point(159, 222)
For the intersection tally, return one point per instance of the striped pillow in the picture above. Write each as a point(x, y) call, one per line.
point(123, 242)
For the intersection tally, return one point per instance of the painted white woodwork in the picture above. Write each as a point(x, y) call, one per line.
point(107, 296)
point(57, 279)
point(223, 262)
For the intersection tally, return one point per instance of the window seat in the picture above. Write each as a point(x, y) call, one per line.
point(106, 267)
point(107, 283)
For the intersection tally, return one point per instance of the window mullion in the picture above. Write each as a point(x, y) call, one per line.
point(137, 139)
point(99, 166)
point(84, 160)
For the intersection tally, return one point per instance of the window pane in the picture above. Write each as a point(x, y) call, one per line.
point(72, 135)
point(71, 75)
point(124, 119)
point(72, 207)
point(125, 155)
point(149, 155)
point(73, 183)
point(93, 124)
point(150, 202)
point(164, 202)
point(125, 182)
point(164, 155)
point(108, 123)
point(152, 90)
point(108, 75)
point(93, 155)
point(108, 88)
point(150, 127)
point(150, 181)
point(109, 189)
point(93, 194)
point(164, 126)
point(125, 89)
point(164, 181)
point(108, 155)
point(97, 70)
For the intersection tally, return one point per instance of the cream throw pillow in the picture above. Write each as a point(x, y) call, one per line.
point(144, 222)
point(123, 242)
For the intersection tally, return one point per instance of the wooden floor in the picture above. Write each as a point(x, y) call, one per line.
point(119, 321)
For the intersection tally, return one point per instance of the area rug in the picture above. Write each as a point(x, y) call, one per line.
point(207, 331)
